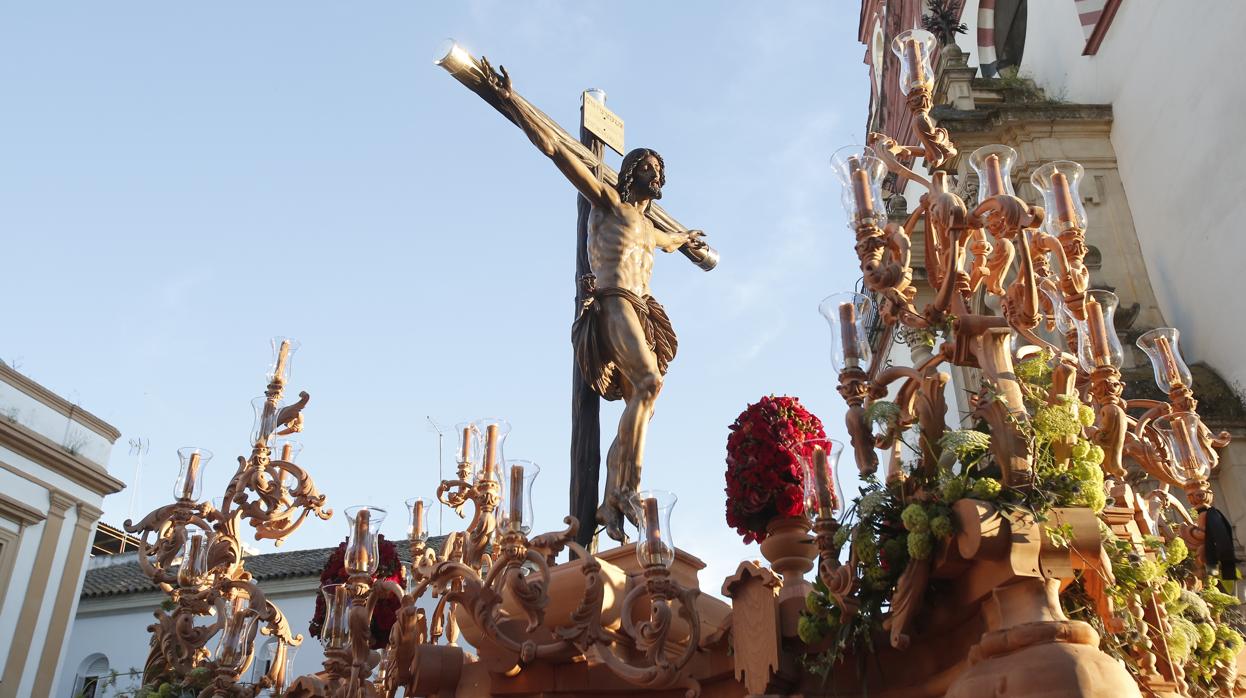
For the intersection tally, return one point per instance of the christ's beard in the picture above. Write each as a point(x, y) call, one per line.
point(655, 190)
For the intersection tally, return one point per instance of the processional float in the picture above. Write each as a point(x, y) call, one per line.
point(974, 609)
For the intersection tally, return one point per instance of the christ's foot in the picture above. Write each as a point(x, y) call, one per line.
point(608, 515)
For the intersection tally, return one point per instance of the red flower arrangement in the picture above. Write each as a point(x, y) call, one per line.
point(386, 611)
point(764, 477)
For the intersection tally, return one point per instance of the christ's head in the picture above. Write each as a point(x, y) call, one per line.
point(641, 175)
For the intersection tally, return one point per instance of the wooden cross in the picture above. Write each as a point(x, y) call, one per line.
point(585, 403)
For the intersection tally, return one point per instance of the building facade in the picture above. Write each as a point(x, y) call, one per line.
point(53, 480)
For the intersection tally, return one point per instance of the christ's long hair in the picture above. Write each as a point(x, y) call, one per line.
point(627, 171)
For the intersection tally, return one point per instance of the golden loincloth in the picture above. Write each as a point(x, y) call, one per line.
point(596, 366)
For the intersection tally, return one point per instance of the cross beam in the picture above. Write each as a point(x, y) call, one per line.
point(463, 67)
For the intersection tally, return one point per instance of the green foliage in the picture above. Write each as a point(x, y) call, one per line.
point(941, 527)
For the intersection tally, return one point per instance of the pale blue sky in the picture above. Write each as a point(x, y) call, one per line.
point(181, 181)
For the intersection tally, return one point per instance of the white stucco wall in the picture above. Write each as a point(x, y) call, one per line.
point(1170, 70)
point(52, 425)
point(117, 628)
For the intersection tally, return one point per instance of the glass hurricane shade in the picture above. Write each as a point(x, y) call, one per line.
point(417, 510)
point(596, 94)
point(336, 605)
point(819, 460)
point(279, 658)
point(846, 313)
point(193, 570)
point(993, 164)
point(1097, 341)
point(283, 358)
point(1181, 432)
point(517, 511)
point(470, 445)
point(265, 421)
point(915, 49)
point(860, 174)
point(1160, 345)
point(234, 648)
point(1059, 309)
point(362, 545)
point(1060, 184)
point(189, 484)
point(490, 460)
point(287, 450)
point(653, 513)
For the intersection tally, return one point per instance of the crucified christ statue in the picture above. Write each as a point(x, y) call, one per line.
point(622, 337)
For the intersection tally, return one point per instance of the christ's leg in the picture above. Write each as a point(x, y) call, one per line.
point(625, 340)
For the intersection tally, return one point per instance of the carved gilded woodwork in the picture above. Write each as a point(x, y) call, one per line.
point(273, 497)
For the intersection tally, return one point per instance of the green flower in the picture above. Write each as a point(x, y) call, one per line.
point(813, 604)
point(1170, 591)
point(876, 578)
point(1182, 638)
point(841, 536)
point(1056, 421)
point(1206, 636)
point(1193, 605)
point(809, 630)
point(1149, 571)
point(1095, 457)
point(987, 488)
point(1081, 448)
point(1035, 369)
point(1090, 490)
point(1216, 599)
point(920, 545)
point(1230, 642)
point(965, 442)
point(870, 504)
point(941, 527)
point(894, 551)
point(953, 490)
point(1177, 551)
point(915, 518)
point(865, 548)
point(1085, 415)
point(882, 412)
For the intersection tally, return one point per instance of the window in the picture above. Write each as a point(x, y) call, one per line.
point(91, 673)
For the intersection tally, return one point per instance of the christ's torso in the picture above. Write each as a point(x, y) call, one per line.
point(620, 248)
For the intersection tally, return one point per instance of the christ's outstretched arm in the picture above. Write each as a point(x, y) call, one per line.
point(597, 192)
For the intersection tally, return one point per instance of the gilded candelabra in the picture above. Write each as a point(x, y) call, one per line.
point(507, 595)
point(192, 549)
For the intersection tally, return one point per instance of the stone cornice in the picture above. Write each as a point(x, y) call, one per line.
point(44, 452)
point(993, 116)
point(58, 403)
point(20, 512)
